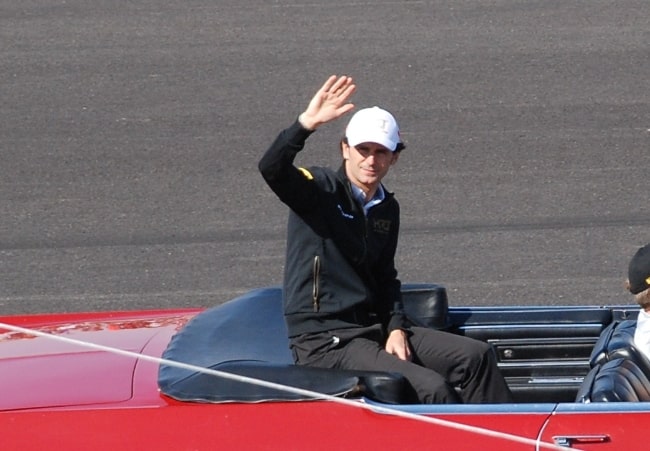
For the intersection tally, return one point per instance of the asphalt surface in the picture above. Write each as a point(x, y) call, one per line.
point(130, 134)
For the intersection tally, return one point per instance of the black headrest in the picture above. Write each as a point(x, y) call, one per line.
point(426, 305)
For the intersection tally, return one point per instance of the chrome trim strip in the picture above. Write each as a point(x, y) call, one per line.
point(531, 326)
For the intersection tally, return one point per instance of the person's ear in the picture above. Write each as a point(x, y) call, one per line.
point(395, 158)
point(345, 150)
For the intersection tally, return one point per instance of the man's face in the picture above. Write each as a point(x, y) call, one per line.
point(367, 163)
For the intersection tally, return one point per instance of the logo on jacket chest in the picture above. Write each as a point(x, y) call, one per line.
point(381, 225)
point(376, 225)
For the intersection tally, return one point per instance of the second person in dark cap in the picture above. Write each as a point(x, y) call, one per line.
point(638, 283)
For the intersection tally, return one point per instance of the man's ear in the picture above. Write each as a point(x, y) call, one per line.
point(395, 158)
point(345, 150)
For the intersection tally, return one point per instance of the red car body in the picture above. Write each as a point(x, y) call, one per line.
point(59, 395)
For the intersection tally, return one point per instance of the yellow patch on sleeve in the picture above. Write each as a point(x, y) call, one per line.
point(647, 281)
point(306, 173)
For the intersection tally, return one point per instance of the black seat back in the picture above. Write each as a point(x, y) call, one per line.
point(600, 352)
point(619, 334)
point(617, 342)
point(619, 380)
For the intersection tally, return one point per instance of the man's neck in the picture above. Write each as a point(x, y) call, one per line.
point(369, 192)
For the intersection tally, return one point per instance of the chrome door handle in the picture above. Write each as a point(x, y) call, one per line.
point(571, 440)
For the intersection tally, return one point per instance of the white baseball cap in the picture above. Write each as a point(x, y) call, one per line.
point(374, 125)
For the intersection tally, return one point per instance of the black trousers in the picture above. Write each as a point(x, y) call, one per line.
point(446, 368)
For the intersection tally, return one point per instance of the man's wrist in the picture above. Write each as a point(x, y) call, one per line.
point(307, 122)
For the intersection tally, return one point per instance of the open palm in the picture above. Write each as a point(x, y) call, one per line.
point(329, 103)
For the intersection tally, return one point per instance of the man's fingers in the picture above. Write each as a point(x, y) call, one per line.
point(329, 103)
point(340, 88)
point(341, 83)
point(328, 84)
point(345, 108)
point(348, 91)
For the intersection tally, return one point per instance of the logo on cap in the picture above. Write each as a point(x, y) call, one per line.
point(373, 125)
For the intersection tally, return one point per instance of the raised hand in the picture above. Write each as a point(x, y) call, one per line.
point(329, 103)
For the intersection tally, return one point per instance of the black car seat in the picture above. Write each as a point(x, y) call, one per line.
point(617, 342)
point(619, 380)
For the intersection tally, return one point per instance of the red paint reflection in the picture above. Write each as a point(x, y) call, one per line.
point(176, 322)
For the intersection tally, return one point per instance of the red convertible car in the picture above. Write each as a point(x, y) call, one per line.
point(222, 378)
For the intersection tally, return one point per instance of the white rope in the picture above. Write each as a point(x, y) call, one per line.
point(289, 389)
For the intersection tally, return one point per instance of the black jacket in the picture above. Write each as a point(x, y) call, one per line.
point(339, 270)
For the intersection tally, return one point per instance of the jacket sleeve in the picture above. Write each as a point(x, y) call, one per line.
point(292, 185)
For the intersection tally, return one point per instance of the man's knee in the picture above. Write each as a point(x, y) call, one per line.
point(481, 351)
point(431, 387)
point(441, 393)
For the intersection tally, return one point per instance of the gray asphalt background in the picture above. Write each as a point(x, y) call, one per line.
point(130, 133)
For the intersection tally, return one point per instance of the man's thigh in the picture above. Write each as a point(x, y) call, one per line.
point(444, 352)
point(368, 354)
point(430, 386)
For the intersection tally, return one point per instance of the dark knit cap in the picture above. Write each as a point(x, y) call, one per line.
point(639, 270)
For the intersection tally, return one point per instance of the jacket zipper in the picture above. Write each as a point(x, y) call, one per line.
point(315, 293)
